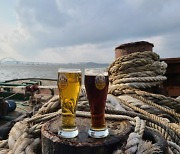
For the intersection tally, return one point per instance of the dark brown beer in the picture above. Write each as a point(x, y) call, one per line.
point(97, 87)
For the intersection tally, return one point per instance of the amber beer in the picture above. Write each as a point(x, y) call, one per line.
point(96, 84)
point(69, 84)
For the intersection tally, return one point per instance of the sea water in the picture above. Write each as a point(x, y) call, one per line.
point(19, 71)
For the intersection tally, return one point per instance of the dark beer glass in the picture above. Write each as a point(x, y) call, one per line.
point(96, 84)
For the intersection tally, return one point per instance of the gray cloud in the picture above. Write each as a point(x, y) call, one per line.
point(34, 14)
point(62, 23)
point(109, 19)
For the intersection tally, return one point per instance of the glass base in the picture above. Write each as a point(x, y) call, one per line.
point(98, 133)
point(68, 133)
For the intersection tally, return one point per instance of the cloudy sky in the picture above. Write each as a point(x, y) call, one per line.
point(83, 31)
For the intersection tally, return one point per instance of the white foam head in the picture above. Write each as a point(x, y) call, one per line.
point(69, 70)
point(96, 71)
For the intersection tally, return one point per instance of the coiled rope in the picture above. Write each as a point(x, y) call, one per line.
point(24, 137)
point(130, 75)
point(33, 125)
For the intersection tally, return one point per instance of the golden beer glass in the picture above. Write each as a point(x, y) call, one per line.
point(96, 84)
point(69, 84)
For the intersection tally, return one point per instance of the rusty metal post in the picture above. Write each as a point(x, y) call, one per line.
point(127, 48)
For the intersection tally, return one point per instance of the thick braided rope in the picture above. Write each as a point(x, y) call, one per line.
point(140, 126)
point(21, 134)
point(49, 105)
point(20, 140)
point(139, 62)
point(162, 100)
point(143, 69)
point(41, 118)
point(136, 55)
point(44, 117)
point(169, 111)
point(132, 75)
point(152, 116)
point(24, 130)
point(155, 127)
point(3, 143)
point(85, 114)
point(156, 67)
point(142, 79)
point(135, 144)
point(20, 137)
point(135, 137)
point(163, 129)
point(140, 84)
point(4, 151)
point(146, 147)
point(132, 143)
point(174, 147)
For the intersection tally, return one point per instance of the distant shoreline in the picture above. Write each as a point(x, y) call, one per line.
point(60, 64)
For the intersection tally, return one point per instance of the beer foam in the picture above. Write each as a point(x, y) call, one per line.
point(95, 72)
point(67, 70)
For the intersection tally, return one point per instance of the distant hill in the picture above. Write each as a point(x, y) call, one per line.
point(85, 65)
point(73, 65)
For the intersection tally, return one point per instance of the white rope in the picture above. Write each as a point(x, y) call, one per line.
point(18, 129)
point(4, 151)
point(135, 85)
point(3, 143)
point(141, 79)
point(174, 146)
point(132, 143)
point(21, 140)
point(146, 147)
point(135, 144)
point(134, 138)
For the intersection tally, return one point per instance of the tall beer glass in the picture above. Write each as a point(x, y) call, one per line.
point(96, 84)
point(69, 84)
